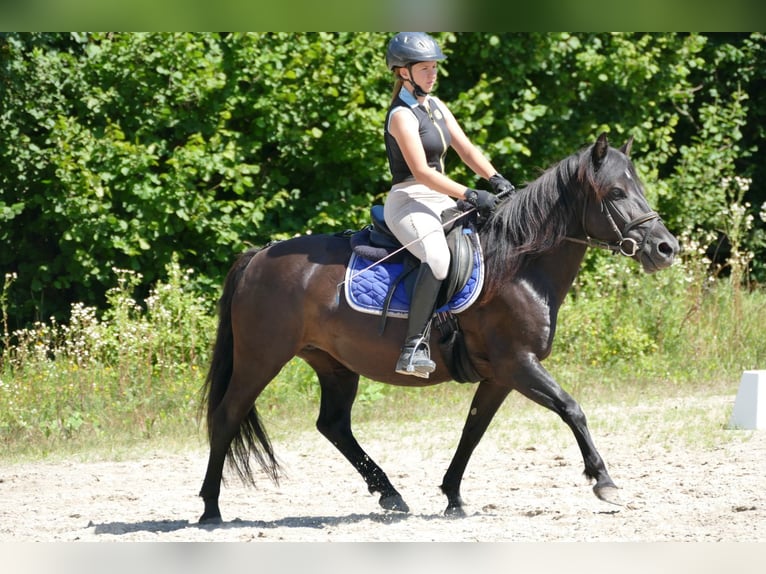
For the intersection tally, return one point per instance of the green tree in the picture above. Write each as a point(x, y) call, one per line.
point(125, 150)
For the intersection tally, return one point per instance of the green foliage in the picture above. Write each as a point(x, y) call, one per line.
point(133, 374)
point(683, 325)
point(121, 150)
point(548, 94)
point(125, 150)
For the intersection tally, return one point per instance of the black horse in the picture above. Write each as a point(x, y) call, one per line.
point(280, 301)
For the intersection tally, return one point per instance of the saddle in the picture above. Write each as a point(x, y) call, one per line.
point(380, 278)
point(376, 243)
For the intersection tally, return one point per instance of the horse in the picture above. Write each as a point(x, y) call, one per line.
point(280, 301)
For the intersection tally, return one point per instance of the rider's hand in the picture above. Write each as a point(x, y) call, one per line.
point(501, 185)
point(482, 200)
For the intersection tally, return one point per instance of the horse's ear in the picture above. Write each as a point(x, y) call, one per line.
point(627, 146)
point(599, 150)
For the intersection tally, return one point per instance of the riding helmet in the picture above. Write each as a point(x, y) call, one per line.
point(410, 47)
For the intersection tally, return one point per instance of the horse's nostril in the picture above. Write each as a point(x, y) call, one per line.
point(666, 249)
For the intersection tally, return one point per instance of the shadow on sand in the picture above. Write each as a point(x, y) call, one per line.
point(319, 522)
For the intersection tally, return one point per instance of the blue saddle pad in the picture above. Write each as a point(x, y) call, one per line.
point(367, 284)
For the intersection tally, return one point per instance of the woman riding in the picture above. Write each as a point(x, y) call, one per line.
point(419, 130)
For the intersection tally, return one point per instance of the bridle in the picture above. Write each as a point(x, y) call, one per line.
point(626, 246)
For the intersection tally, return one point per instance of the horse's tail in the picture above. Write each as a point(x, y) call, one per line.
point(251, 440)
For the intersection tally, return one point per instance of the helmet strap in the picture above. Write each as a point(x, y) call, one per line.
point(419, 92)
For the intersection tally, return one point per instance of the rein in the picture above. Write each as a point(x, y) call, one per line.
point(626, 246)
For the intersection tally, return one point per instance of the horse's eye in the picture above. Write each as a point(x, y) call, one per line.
point(618, 193)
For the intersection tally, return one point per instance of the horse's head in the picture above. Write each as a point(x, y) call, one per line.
point(616, 214)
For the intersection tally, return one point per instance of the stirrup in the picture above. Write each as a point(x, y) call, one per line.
point(415, 360)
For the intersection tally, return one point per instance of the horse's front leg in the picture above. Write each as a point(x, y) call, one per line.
point(486, 401)
point(534, 382)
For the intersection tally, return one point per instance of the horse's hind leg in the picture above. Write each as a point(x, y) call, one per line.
point(235, 431)
point(339, 387)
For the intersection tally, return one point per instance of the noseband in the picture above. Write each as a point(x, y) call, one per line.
point(626, 246)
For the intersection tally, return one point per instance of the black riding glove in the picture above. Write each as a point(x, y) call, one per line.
point(501, 185)
point(483, 201)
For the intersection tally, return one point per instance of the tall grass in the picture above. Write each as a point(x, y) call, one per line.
point(697, 323)
point(681, 326)
point(132, 374)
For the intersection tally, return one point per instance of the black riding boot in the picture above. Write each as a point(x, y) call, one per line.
point(415, 358)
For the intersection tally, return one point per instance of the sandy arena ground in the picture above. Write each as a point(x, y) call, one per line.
point(521, 485)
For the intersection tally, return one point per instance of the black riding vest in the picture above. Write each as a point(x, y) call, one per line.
point(434, 135)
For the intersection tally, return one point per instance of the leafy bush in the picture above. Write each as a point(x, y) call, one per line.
point(125, 158)
point(684, 325)
point(135, 372)
point(123, 150)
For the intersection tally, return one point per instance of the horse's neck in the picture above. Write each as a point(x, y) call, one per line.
point(556, 270)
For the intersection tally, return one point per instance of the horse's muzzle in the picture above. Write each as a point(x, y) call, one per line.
point(659, 250)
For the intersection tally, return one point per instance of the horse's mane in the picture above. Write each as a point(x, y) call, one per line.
point(536, 218)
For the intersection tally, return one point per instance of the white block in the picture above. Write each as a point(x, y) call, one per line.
point(750, 404)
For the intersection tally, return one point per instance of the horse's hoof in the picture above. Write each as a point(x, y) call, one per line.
point(394, 502)
point(210, 520)
point(454, 512)
point(608, 494)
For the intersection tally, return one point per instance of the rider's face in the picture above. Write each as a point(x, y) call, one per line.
point(424, 74)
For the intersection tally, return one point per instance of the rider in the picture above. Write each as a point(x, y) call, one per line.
point(418, 131)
